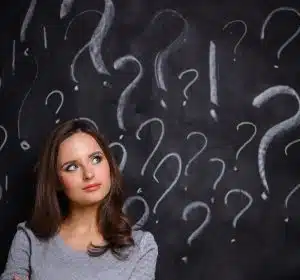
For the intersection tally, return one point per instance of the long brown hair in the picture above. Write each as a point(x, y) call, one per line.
point(51, 206)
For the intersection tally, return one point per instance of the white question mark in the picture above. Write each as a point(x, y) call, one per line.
point(187, 209)
point(99, 34)
point(95, 42)
point(220, 176)
point(242, 37)
point(72, 67)
point(275, 131)
point(162, 56)
point(177, 157)
point(247, 142)
point(286, 201)
point(190, 83)
point(124, 157)
point(60, 94)
point(143, 220)
point(118, 64)
point(137, 135)
point(24, 144)
point(242, 212)
point(199, 152)
point(290, 39)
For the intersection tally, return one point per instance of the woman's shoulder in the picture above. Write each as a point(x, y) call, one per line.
point(23, 237)
point(144, 240)
point(22, 226)
point(23, 230)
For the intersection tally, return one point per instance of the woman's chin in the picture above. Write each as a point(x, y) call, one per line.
point(93, 198)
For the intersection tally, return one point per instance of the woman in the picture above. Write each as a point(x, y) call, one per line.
point(77, 230)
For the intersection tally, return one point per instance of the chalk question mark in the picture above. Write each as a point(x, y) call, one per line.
point(60, 94)
point(95, 43)
point(187, 209)
point(275, 131)
point(190, 83)
point(143, 220)
point(242, 37)
point(286, 201)
point(24, 144)
point(77, 55)
point(118, 64)
point(290, 39)
point(100, 32)
point(177, 157)
point(162, 133)
point(220, 176)
point(124, 156)
point(241, 212)
point(162, 56)
point(247, 142)
point(186, 169)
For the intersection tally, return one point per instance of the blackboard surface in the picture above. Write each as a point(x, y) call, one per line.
point(200, 103)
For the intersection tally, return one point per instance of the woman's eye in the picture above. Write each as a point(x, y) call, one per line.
point(69, 168)
point(73, 166)
point(97, 159)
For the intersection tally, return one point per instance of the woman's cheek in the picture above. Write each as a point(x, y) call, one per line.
point(106, 174)
point(70, 189)
point(68, 183)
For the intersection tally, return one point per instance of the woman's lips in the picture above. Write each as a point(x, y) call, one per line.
point(91, 188)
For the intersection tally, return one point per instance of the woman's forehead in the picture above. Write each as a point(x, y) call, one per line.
point(79, 143)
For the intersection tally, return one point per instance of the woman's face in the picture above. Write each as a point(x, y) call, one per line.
point(80, 163)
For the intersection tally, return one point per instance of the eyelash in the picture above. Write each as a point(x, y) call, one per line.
point(73, 164)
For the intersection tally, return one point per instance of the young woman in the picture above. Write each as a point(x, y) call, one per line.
point(77, 230)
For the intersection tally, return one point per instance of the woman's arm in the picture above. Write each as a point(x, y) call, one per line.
point(18, 257)
point(146, 265)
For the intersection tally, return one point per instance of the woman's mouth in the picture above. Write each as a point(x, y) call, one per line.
point(91, 187)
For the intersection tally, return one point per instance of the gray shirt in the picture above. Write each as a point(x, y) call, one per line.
point(55, 260)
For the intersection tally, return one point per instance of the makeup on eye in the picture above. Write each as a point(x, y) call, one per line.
point(96, 155)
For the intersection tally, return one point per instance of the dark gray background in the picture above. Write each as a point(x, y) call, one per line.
point(265, 247)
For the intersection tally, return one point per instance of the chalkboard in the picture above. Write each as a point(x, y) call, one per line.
point(200, 103)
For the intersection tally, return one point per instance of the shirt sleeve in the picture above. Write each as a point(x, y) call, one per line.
point(18, 257)
point(146, 264)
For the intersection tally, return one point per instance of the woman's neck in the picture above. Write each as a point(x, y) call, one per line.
point(82, 219)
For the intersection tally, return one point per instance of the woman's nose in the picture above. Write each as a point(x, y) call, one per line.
point(88, 173)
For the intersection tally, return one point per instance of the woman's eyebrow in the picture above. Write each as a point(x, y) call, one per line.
point(91, 155)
